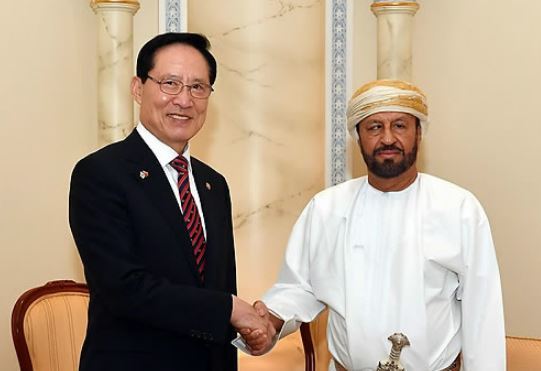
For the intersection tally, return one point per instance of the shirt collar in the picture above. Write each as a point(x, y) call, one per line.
point(404, 191)
point(162, 151)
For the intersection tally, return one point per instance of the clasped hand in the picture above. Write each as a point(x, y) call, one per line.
point(254, 324)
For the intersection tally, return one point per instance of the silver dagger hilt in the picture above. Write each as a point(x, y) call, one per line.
point(392, 363)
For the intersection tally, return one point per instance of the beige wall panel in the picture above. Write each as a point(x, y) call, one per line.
point(47, 117)
point(478, 61)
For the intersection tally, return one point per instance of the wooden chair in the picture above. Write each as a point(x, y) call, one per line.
point(314, 342)
point(48, 325)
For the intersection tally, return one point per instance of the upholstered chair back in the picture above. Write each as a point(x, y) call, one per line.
point(523, 353)
point(49, 326)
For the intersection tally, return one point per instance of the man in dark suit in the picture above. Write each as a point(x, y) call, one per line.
point(153, 227)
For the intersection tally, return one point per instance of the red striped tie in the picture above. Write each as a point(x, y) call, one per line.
point(190, 214)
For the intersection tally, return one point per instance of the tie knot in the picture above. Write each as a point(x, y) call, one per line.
point(180, 164)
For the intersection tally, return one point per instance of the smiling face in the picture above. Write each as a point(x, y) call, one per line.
point(173, 119)
point(389, 142)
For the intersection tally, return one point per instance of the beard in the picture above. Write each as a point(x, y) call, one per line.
point(388, 168)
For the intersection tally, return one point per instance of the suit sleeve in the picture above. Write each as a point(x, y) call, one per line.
point(100, 219)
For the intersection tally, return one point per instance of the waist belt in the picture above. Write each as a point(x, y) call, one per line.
point(455, 366)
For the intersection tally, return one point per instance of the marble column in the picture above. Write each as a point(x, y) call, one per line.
point(395, 25)
point(115, 67)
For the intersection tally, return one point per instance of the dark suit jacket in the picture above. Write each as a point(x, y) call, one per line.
point(148, 309)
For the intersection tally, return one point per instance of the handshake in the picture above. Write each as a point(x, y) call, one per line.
point(255, 324)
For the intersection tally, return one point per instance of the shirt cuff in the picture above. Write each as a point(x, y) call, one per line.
point(288, 327)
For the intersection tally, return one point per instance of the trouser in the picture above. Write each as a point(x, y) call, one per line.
point(455, 366)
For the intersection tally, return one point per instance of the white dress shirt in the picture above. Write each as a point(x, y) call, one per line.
point(165, 155)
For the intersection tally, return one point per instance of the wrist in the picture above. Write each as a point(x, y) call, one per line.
point(276, 322)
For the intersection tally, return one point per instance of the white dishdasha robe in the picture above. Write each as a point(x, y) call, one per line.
point(420, 261)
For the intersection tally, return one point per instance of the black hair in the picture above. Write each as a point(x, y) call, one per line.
point(145, 58)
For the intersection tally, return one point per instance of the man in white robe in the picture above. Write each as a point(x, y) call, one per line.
point(393, 251)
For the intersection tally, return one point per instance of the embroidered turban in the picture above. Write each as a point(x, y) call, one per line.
point(386, 96)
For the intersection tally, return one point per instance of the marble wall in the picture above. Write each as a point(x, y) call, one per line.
point(265, 127)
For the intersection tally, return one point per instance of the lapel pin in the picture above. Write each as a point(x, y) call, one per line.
point(143, 174)
point(207, 184)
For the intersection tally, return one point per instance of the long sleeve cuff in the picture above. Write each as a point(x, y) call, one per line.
point(289, 326)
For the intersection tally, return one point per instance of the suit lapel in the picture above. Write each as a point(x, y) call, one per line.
point(151, 177)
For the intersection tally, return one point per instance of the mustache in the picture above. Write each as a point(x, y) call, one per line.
point(388, 148)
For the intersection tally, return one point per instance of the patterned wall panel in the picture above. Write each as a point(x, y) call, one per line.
point(337, 90)
point(173, 16)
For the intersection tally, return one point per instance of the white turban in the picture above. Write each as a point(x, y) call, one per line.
point(386, 96)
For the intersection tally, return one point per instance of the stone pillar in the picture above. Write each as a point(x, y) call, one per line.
point(115, 67)
point(395, 25)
